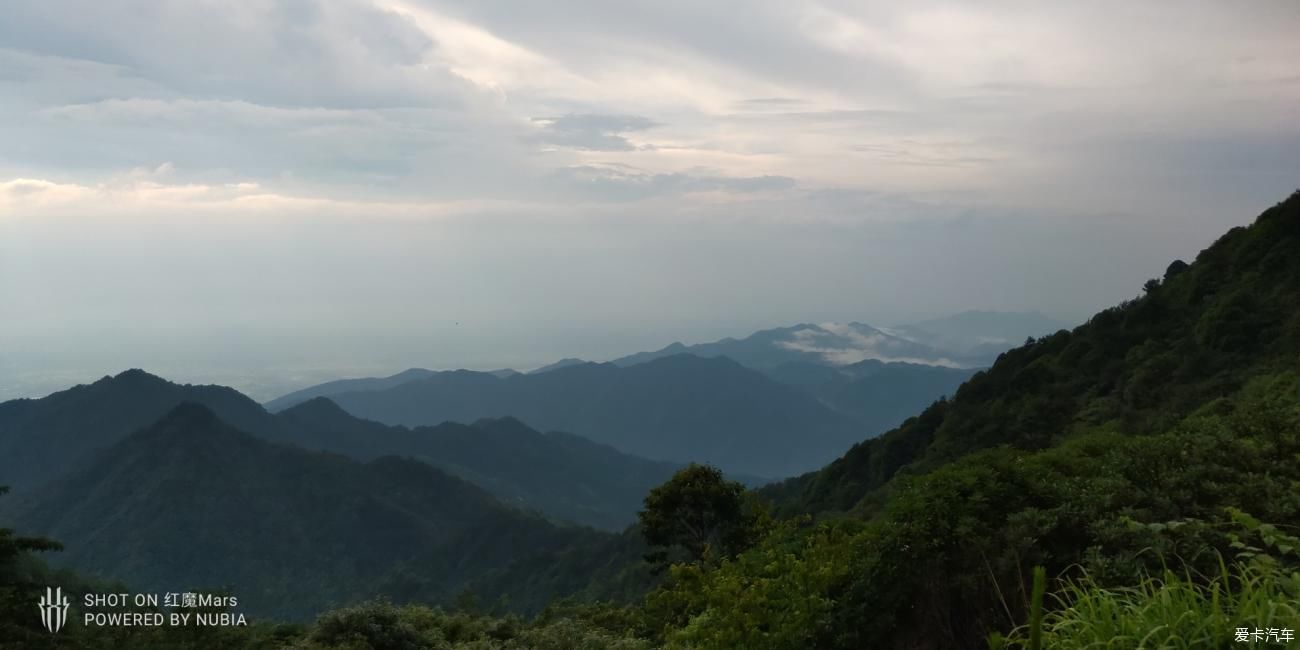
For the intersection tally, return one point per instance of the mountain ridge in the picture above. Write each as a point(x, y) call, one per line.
point(40, 439)
point(190, 501)
point(679, 409)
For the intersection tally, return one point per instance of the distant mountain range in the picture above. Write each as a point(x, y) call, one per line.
point(862, 380)
point(564, 476)
point(679, 408)
point(966, 340)
point(190, 502)
point(880, 395)
point(363, 384)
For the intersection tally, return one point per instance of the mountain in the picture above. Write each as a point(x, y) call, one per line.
point(825, 343)
point(880, 395)
point(191, 502)
point(679, 408)
point(367, 383)
point(980, 335)
point(563, 475)
point(562, 363)
point(41, 438)
point(1155, 442)
point(1197, 334)
point(566, 477)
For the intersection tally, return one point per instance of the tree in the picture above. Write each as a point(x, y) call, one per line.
point(16, 587)
point(697, 515)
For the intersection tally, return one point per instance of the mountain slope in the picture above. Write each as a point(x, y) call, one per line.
point(1197, 335)
point(681, 408)
point(41, 438)
point(562, 363)
point(980, 335)
point(576, 480)
point(344, 386)
point(1154, 438)
point(192, 502)
point(883, 395)
point(565, 476)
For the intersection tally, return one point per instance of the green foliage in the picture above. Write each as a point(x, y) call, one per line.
point(1173, 611)
point(1147, 434)
point(948, 558)
point(778, 595)
point(192, 503)
point(1201, 334)
point(697, 515)
point(1036, 609)
point(381, 625)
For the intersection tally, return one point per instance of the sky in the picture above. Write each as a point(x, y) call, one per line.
point(268, 194)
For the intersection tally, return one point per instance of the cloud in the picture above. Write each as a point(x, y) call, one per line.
point(593, 132)
point(519, 162)
point(625, 183)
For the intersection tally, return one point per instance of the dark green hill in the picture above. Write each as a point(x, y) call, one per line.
point(191, 502)
point(566, 477)
point(678, 408)
point(563, 475)
point(41, 439)
point(1197, 334)
point(1130, 445)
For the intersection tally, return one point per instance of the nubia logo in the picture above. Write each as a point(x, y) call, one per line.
point(54, 609)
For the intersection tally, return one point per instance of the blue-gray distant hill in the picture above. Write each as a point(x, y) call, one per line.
point(360, 384)
point(562, 363)
point(678, 408)
point(971, 339)
point(826, 343)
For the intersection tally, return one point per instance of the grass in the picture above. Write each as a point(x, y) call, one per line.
point(1171, 612)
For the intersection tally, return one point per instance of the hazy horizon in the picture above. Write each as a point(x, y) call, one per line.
point(263, 381)
point(272, 194)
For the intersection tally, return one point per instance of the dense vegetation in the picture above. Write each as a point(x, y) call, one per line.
point(1143, 467)
point(563, 476)
point(292, 532)
point(1197, 335)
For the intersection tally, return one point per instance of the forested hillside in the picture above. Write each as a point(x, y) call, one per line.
point(1135, 477)
point(566, 477)
point(1197, 334)
point(191, 502)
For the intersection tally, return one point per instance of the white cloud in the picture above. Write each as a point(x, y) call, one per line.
point(744, 163)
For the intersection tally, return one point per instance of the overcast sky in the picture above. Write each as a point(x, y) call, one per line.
point(266, 190)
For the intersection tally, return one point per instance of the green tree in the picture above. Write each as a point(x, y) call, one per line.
point(16, 620)
point(697, 516)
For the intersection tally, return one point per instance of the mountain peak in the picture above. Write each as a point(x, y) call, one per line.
point(135, 376)
point(316, 407)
